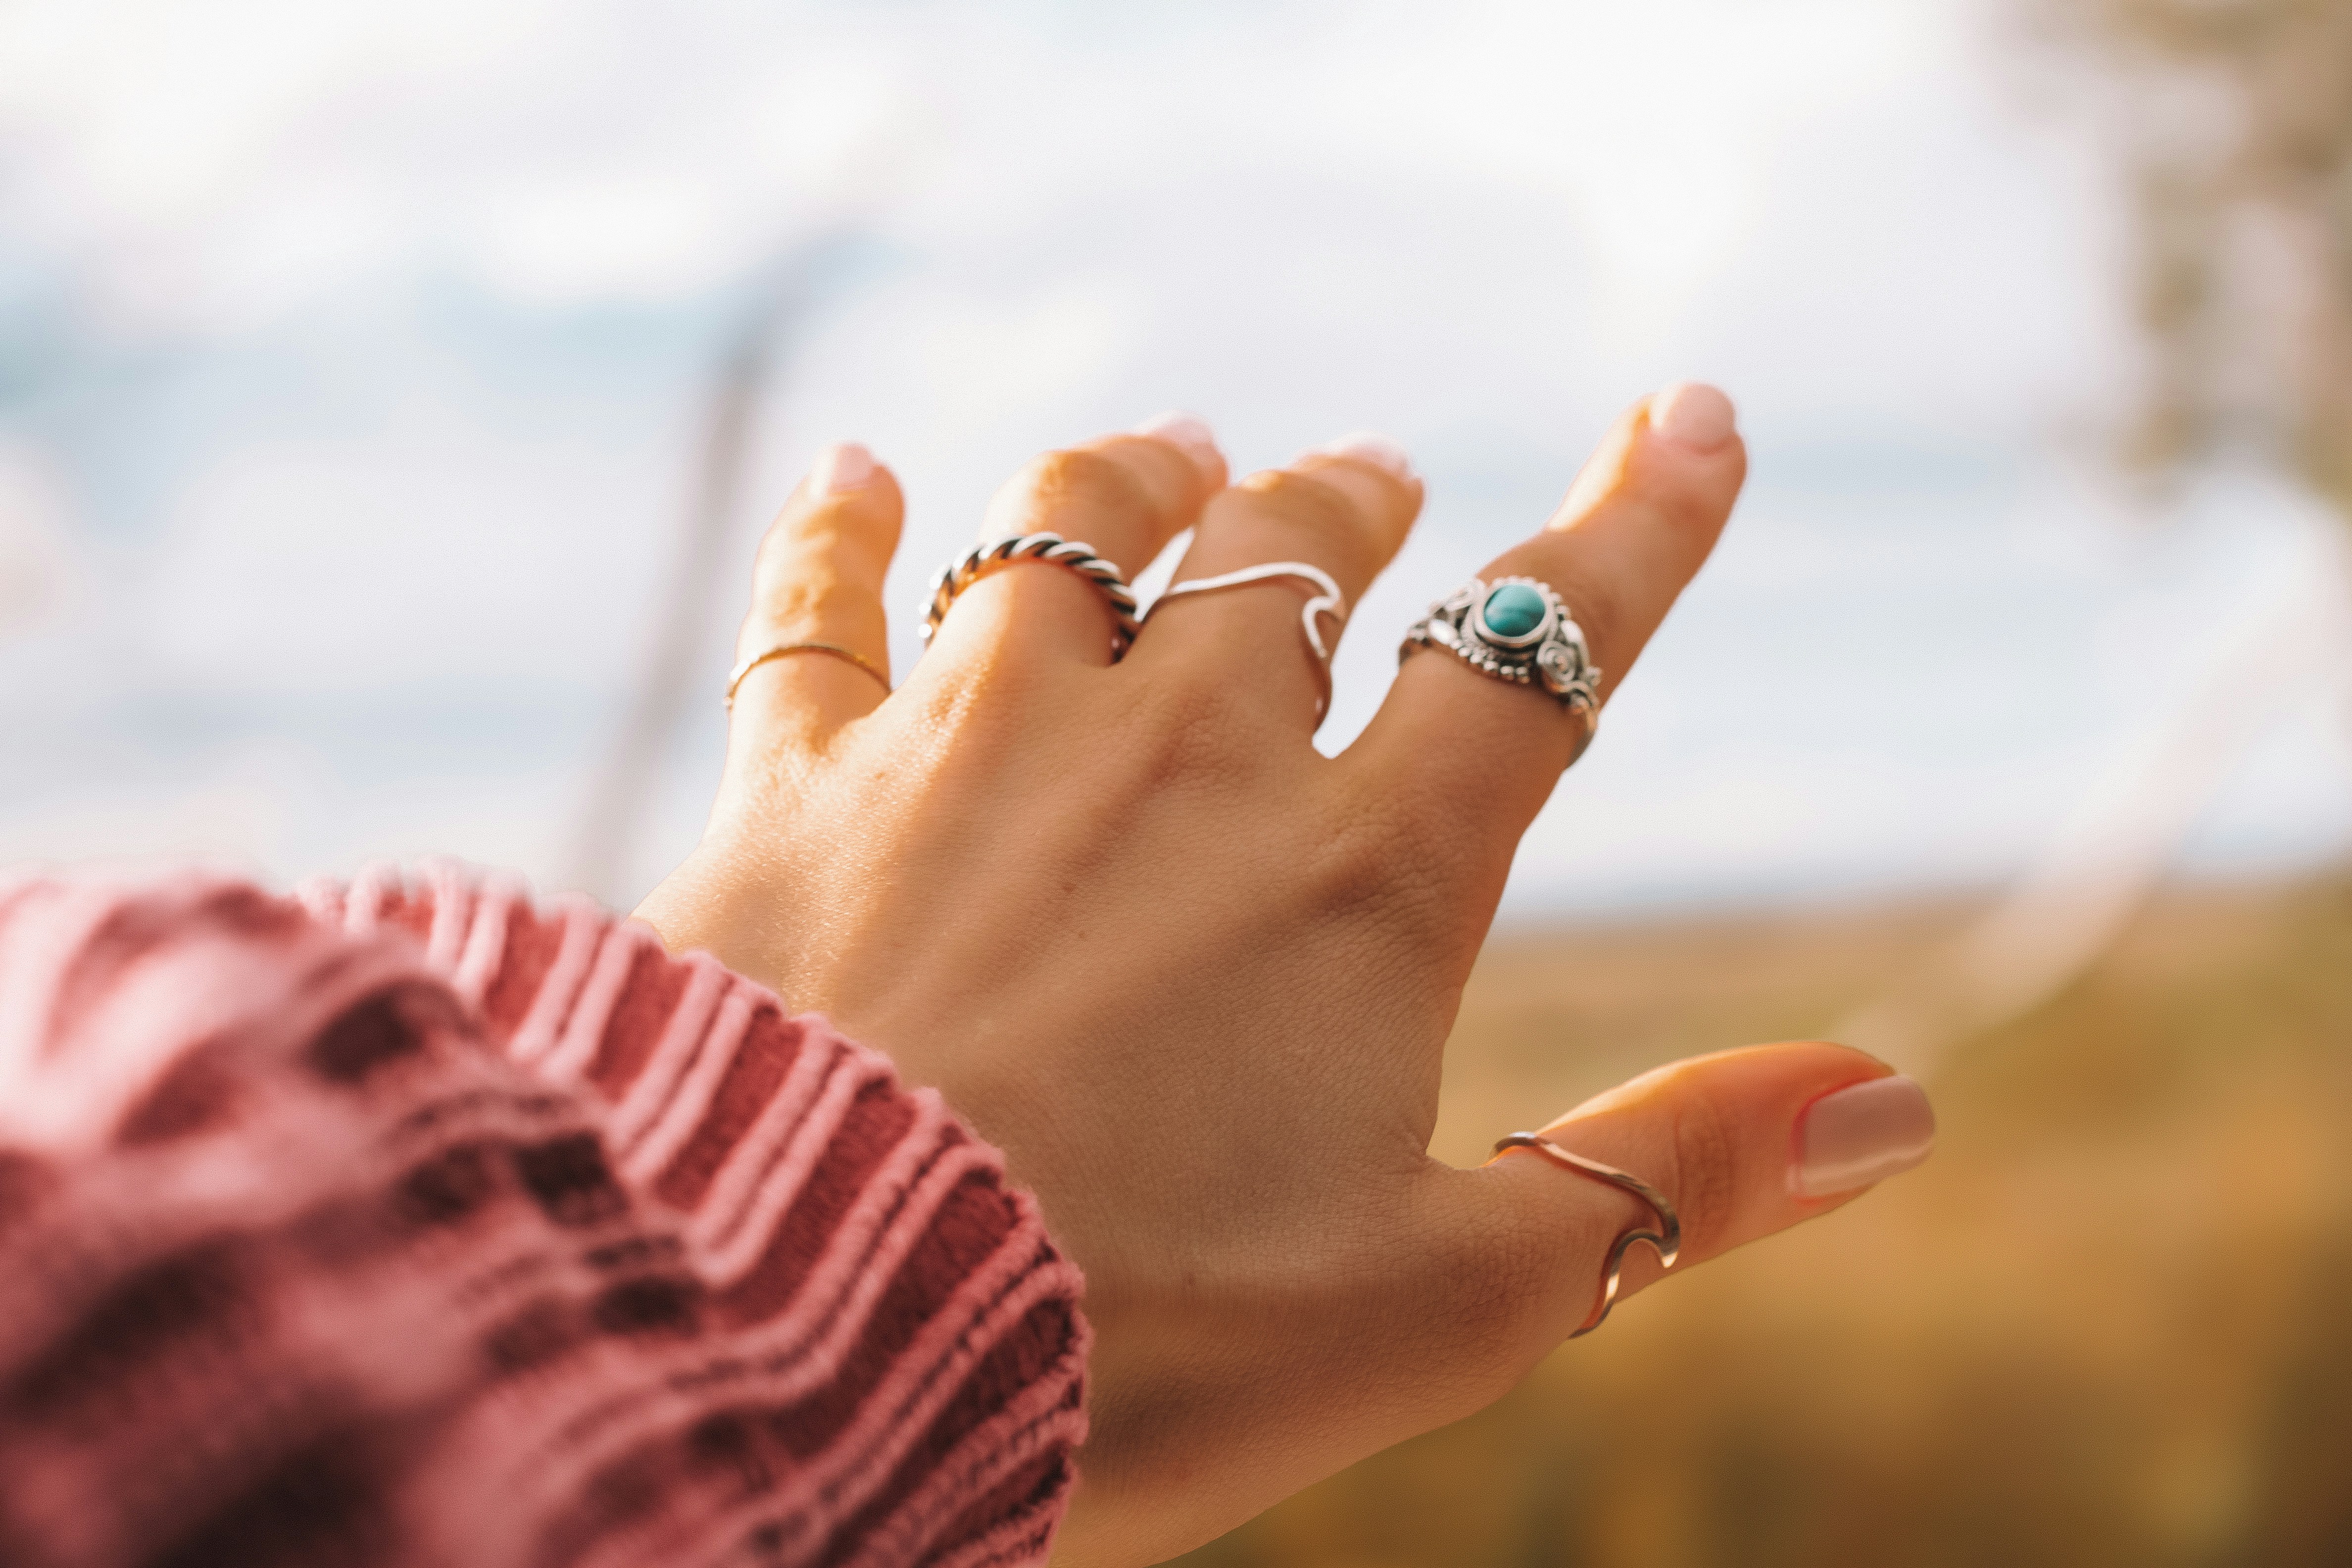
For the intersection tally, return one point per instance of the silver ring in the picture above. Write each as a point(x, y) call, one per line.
point(1666, 1241)
point(1329, 602)
point(1516, 629)
point(991, 555)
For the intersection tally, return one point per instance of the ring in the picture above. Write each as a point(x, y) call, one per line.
point(1515, 629)
point(1666, 1241)
point(1329, 602)
point(835, 648)
point(993, 554)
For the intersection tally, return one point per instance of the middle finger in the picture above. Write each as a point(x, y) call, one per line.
point(1124, 497)
point(1634, 528)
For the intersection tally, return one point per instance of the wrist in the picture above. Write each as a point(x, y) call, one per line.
point(697, 908)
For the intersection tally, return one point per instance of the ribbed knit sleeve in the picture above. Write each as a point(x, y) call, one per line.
point(414, 1222)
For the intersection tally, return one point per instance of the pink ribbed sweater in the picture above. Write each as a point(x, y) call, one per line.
point(414, 1224)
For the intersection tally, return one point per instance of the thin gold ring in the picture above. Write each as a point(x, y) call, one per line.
point(835, 648)
point(1666, 1241)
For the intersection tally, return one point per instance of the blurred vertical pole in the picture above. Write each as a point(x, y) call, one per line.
point(622, 793)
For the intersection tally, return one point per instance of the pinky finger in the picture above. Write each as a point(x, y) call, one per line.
point(813, 653)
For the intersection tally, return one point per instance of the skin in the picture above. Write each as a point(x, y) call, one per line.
point(1196, 978)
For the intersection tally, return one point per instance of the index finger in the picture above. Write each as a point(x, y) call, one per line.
point(1633, 530)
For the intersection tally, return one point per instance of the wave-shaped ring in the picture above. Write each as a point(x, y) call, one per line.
point(1666, 1241)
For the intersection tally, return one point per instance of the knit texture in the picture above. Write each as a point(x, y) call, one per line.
point(412, 1223)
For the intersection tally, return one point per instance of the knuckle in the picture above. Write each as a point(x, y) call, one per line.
point(831, 522)
point(861, 537)
point(1677, 497)
point(1413, 829)
point(1684, 510)
point(1351, 866)
point(817, 553)
point(1707, 1168)
point(1193, 726)
point(1599, 604)
point(1074, 480)
point(785, 550)
point(1369, 854)
point(789, 604)
point(1310, 506)
point(1672, 496)
point(1410, 909)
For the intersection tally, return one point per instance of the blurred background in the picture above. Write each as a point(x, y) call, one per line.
point(390, 398)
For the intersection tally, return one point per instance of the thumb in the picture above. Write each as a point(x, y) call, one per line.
point(1738, 1145)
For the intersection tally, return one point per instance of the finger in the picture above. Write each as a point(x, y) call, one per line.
point(1743, 1144)
point(1346, 509)
point(1125, 497)
point(818, 580)
point(1633, 530)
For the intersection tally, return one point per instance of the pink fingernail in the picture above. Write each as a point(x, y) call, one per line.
point(1376, 450)
point(1693, 415)
point(843, 465)
point(1862, 1134)
point(1190, 433)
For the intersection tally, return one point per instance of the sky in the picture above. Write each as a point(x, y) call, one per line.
point(354, 361)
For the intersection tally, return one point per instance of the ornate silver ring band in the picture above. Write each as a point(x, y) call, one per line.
point(1326, 601)
point(994, 554)
point(1517, 629)
point(1666, 1241)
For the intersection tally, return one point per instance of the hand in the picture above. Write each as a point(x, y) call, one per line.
point(1196, 979)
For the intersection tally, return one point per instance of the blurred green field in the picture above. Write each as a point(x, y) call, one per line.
point(2110, 1322)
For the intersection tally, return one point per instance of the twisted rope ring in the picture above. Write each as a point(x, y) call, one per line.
point(994, 554)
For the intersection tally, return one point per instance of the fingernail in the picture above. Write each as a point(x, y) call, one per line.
point(1862, 1134)
point(1192, 433)
point(843, 465)
point(1693, 415)
point(1376, 450)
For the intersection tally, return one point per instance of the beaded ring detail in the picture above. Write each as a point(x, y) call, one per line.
point(1517, 629)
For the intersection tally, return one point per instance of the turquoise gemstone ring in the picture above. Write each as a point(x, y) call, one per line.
point(1516, 629)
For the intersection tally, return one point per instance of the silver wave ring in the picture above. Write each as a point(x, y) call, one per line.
point(1666, 1241)
point(1517, 629)
point(995, 555)
point(1326, 601)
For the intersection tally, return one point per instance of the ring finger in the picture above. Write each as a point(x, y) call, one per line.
point(813, 653)
point(1633, 530)
point(1343, 509)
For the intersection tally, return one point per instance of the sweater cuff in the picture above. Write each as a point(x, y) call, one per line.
point(574, 1250)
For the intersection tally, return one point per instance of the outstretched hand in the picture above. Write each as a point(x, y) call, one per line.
point(1196, 978)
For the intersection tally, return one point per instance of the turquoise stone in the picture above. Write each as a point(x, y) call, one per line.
point(1513, 610)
